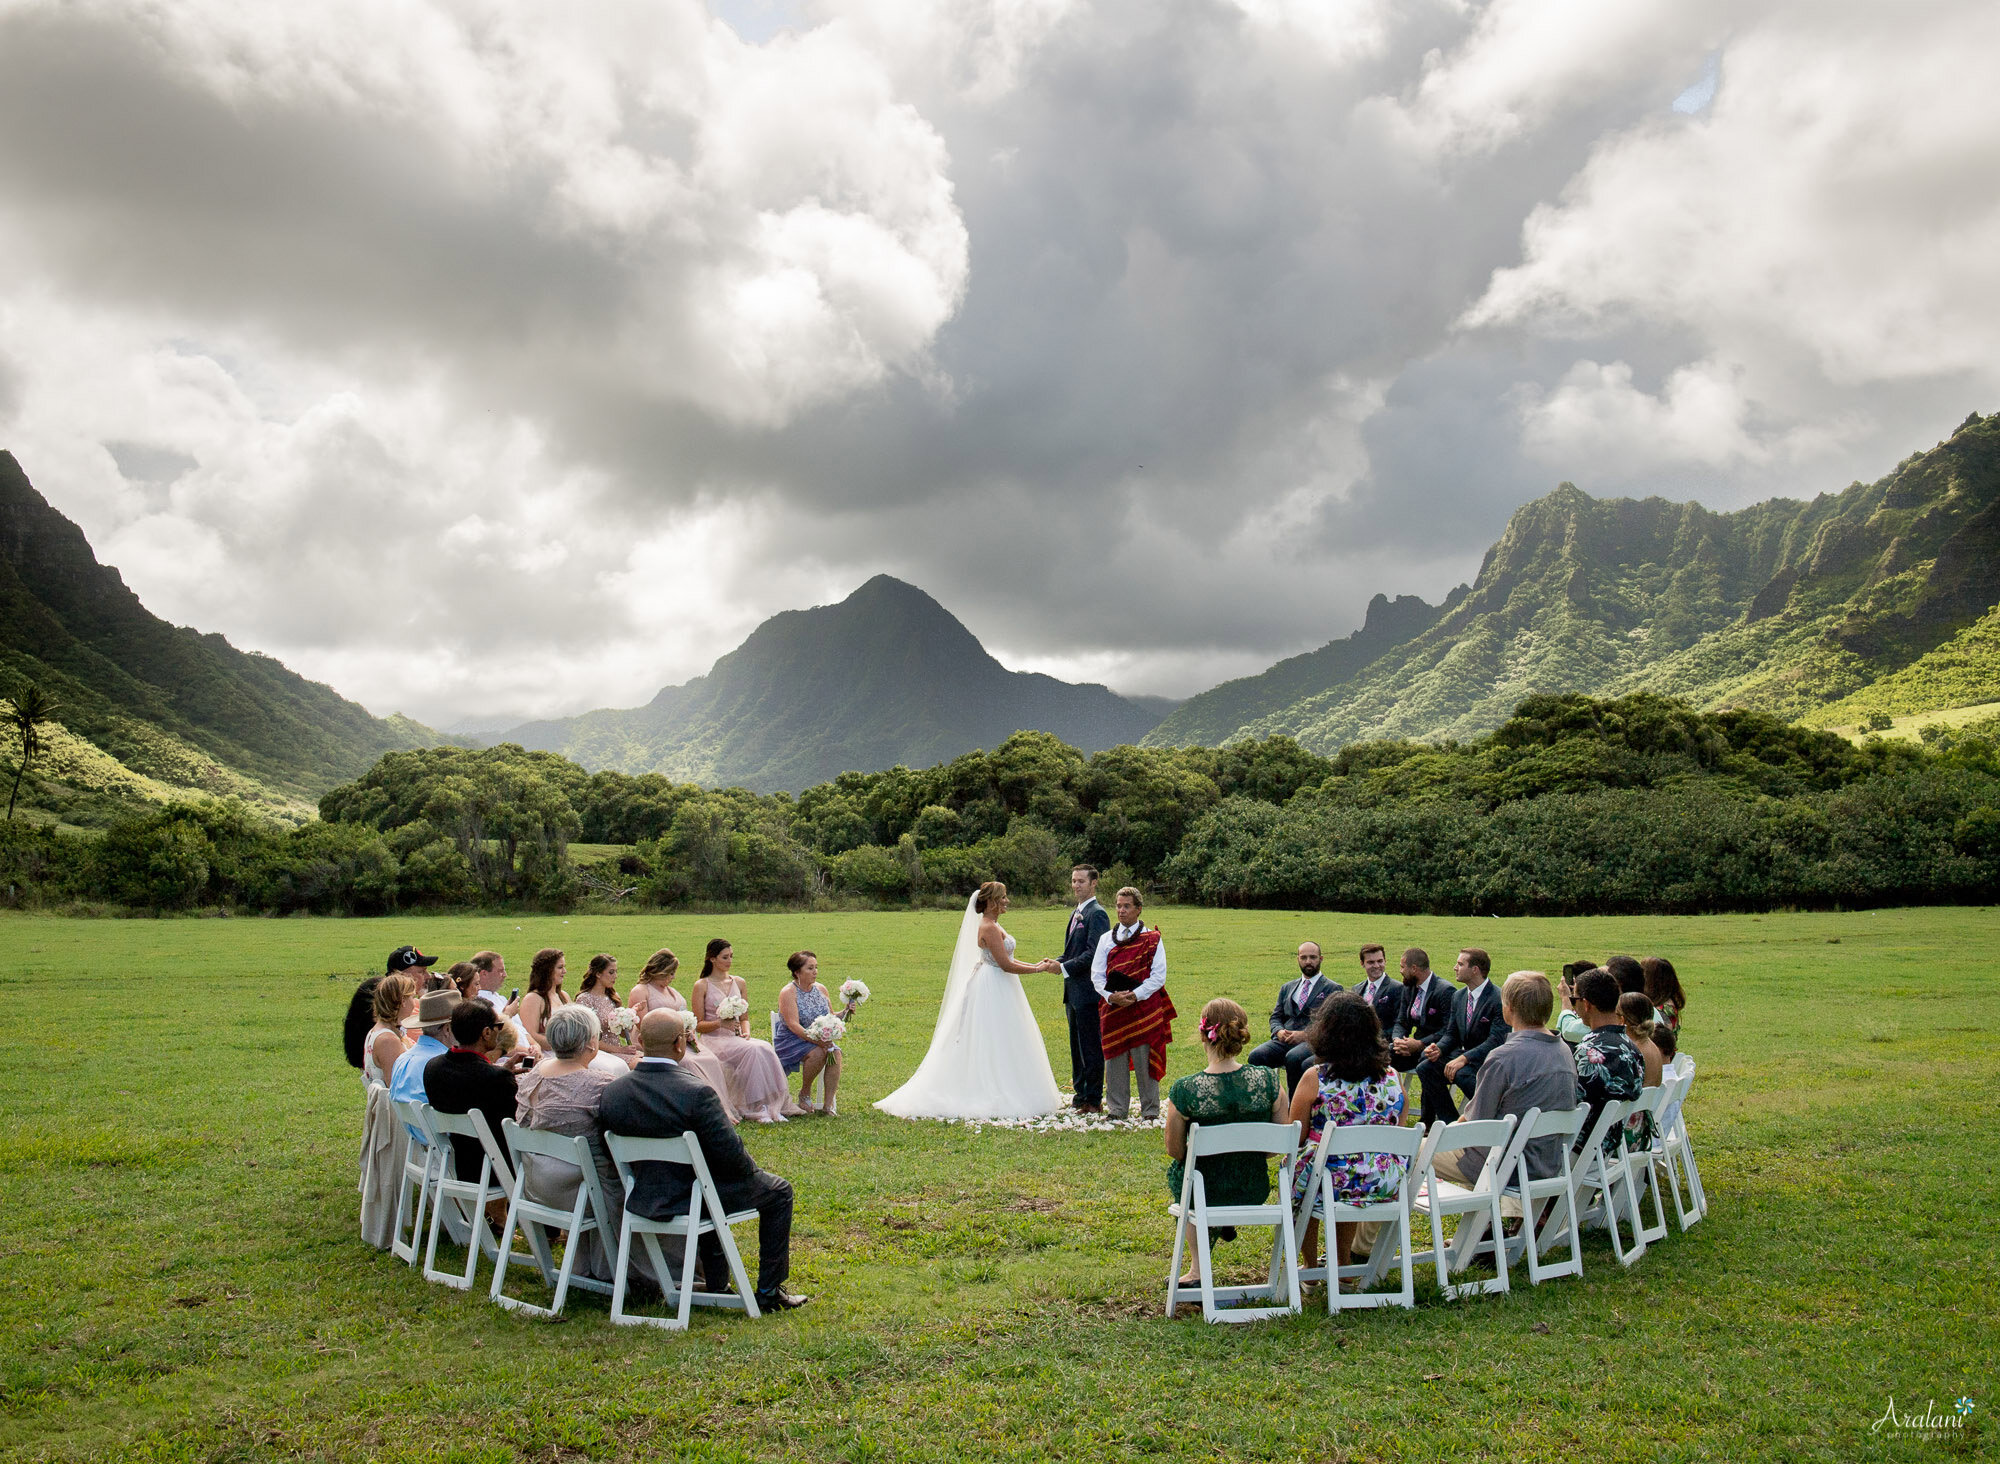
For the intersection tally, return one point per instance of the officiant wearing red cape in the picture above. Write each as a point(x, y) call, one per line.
point(1136, 1016)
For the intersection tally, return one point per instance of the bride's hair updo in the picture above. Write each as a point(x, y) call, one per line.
point(1225, 1026)
point(988, 896)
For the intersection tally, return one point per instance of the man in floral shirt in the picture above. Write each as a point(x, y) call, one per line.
point(1608, 1066)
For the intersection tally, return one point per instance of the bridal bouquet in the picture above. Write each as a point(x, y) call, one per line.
point(828, 1028)
point(730, 1008)
point(854, 991)
point(624, 1022)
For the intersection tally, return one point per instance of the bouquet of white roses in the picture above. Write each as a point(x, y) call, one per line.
point(828, 1028)
point(730, 1008)
point(624, 1022)
point(854, 992)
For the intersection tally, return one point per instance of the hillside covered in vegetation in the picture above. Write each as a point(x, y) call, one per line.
point(1572, 805)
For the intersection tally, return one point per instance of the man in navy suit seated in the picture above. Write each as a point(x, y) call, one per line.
point(1475, 1028)
point(1297, 1001)
point(1426, 1010)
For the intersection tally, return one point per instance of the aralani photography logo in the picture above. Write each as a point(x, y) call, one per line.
point(1928, 1424)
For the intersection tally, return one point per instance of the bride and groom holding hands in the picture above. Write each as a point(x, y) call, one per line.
point(986, 1059)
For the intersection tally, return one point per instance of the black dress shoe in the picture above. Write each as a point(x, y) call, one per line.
point(779, 1300)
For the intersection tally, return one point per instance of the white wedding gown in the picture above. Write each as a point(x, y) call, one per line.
point(986, 1058)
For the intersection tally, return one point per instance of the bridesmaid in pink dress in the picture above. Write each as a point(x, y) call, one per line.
point(756, 1077)
point(654, 990)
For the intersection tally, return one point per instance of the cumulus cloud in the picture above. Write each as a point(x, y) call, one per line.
point(474, 354)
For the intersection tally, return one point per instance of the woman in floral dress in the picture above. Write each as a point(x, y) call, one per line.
point(1350, 1084)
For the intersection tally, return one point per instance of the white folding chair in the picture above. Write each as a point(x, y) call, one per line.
point(1603, 1178)
point(1679, 1153)
point(702, 1196)
point(465, 1198)
point(1559, 1227)
point(418, 1186)
point(590, 1215)
point(1364, 1138)
point(1273, 1139)
point(1477, 1207)
point(1639, 1167)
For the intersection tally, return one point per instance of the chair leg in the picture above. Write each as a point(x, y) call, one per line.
point(1174, 1268)
point(1291, 1260)
point(736, 1272)
point(1204, 1264)
point(689, 1255)
point(619, 1270)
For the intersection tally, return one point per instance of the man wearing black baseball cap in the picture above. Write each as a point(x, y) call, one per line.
point(407, 958)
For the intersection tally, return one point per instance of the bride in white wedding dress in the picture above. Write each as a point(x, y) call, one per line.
point(986, 1059)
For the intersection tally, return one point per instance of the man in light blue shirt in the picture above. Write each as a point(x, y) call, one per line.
point(406, 1079)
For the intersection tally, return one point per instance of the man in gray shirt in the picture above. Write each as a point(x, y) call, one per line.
point(1533, 1068)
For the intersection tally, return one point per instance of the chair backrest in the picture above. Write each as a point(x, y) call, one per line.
point(1490, 1134)
point(1683, 1065)
point(1557, 1123)
point(1672, 1087)
point(1375, 1138)
point(627, 1150)
point(417, 1118)
point(473, 1125)
point(571, 1149)
point(1610, 1115)
point(1281, 1139)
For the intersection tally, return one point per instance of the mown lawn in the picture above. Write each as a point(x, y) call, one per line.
point(183, 1277)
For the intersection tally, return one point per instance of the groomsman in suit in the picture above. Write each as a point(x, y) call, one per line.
point(660, 1099)
point(1426, 1010)
point(1087, 926)
point(1297, 1001)
point(1379, 989)
point(1475, 1029)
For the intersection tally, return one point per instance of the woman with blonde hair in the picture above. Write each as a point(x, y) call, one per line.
point(1225, 1091)
point(654, 991)
point(395, 1002)
point(756, 1077)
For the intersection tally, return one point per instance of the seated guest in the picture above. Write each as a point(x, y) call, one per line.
point(1637, 1015)
point(1383, 992)
point(1531, 1068)
point(1663, 990)
point(559, 1095)
point(1627, 972)
point(1475, 1029)
point(1225, 1091)
point(464, 979)
point(467, 1077)
point(356, 1026)
point(1426, 1010)
point(599, 992)
point(545, 991)
point(654, 991)
point(1608, 1067)
point(1668, 1041)
point(803, 1002)
point(659, 1099)
point(1350, 1085)
point(1569, 1026)
point(432, 1024)
point(395, 1004)
point(1297, 1001)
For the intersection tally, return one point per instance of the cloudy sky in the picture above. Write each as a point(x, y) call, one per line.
point(486, 358)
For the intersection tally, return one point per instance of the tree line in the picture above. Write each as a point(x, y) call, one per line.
point(1574, 805)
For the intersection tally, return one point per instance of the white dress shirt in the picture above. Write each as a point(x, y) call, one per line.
point(1099, 962)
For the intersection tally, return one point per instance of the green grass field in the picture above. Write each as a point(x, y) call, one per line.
point(183, 1277)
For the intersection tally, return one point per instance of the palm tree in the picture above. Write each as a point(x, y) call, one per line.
point(26, 713)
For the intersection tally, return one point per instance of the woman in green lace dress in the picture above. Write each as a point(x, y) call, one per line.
point(1226, 1091)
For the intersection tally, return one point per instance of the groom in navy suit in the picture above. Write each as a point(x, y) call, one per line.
point(1087, 926)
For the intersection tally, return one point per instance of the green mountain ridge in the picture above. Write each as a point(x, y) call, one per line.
point(1784, 606)
point(886, 677)
point(174, 709)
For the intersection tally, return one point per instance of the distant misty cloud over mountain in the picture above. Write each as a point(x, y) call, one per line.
point(474, 354)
